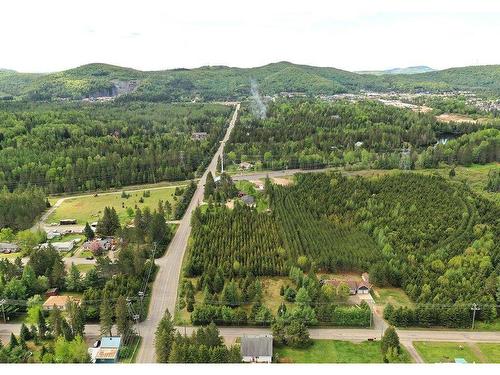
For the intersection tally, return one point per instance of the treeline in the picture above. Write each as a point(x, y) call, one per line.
point(367, 134)
point(79, 146)
point(205, 345)
point(20, 208)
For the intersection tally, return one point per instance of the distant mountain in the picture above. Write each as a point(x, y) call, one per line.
point(222, 82)
point(408, 70)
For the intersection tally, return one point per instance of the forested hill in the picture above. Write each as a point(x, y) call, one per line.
point(222, 82)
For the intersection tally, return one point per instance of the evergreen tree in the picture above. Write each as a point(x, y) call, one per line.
point(164, 338)
point(390, 339)
point(123, 324)
point(74, 279)
point(106, 316)
point(89, 233)
point(209, 186)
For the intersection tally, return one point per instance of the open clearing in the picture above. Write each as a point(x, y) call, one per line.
point(333, 351)
point(89, 208)
point(454, 117)
point(443, 352)
point(395, 296)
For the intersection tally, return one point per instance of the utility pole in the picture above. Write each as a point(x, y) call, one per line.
point(474, 308)
point(2, 303)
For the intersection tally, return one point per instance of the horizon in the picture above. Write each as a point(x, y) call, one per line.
point(363, 36)
point(360, 71)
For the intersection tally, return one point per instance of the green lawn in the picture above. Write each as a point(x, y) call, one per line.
point(10, 256)
point(84, 268)
point(333, 351)
point(490, 351)
point(395, 296)
point(442, 352)
point(90, 208)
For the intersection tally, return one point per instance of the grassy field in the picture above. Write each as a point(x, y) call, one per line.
point(89, 208)
point(395, 296)
point(10, 256)
point(84, 268)
point(333, 351)
point(443, 352)
point(490, 351)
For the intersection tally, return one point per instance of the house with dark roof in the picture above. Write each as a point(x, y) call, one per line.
point(257, 349)
point(248, 200)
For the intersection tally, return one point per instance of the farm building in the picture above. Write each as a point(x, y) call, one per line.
point(58, 302)
point(7, 248)
point(107, 350)
point(257, 349)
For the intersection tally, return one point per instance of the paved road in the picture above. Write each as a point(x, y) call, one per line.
point(164, 291)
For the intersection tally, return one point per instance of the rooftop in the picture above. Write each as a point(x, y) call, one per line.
point(109, 342)
point(257, 346)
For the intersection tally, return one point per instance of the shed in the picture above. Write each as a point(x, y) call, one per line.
point(257, 349)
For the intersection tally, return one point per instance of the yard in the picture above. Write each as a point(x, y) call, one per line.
point(395, 296)
point(89, 208)
point(333, 351)
point(442, 352)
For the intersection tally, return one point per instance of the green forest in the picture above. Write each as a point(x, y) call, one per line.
point(435, 238)
point(69, 147)
point(222, 82)
point(314, 134)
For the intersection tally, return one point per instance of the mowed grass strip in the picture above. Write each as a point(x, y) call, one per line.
point(445, 352)
point(90, 208)
point(333, 351)
point(490, 351)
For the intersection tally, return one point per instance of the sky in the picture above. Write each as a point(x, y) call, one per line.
point(53, 35)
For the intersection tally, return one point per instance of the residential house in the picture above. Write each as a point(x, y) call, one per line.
point(199, 136)
point(60, 246)
point(257, 349)
point(355, 287)
point(248, 200)
point(53, 234)
point(107, 350)
point(7, 248)
point(58, 302)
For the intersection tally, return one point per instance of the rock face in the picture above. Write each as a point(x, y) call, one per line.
point(116, 88)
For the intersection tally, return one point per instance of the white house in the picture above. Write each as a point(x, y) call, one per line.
point(257, 349)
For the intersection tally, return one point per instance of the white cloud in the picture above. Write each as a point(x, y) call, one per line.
point(363, 34)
